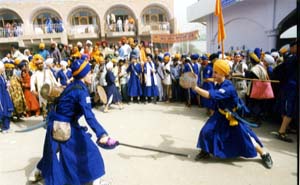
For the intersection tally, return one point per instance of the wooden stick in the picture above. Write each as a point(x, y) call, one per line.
point(222, 43)
point(253, 79)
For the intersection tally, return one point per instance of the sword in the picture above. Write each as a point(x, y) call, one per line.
point(39, 125)
point(154, 150)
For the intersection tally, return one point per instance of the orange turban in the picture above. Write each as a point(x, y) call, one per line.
point(221, 67)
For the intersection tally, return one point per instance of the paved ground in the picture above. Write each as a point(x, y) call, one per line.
point(170, 127)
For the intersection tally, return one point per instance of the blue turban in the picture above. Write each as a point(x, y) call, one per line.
point(257, 52)
point(204, 57)
point(80, 68)
point(194, 56)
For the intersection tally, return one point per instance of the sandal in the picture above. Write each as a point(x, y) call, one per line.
point(282, 137)
point(109, 144)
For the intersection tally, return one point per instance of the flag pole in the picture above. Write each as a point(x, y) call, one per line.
point(222, 43)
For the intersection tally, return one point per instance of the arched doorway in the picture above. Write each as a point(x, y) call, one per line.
point(287, 23)
point(120, 18)
point(84, 20)
point(155, 18)
point(11, 24)
point(47, 21)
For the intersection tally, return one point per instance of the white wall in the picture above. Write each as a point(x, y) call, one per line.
point(251, 23)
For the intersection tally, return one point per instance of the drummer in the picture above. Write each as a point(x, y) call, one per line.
point(39, 77)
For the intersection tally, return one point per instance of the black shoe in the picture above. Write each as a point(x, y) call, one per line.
point(202, 155)
point(282, 137)
point(267, 160)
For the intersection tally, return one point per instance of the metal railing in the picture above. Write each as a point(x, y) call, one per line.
point(83, 29)
point(12, 31)
point(120, 27)
point(159, 26)
point(48, 28)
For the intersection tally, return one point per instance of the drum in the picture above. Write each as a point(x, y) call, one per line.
point(102, 94)
point(188, 80)
point(50, 93)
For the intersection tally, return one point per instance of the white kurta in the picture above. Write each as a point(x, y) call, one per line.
point(37, 80)
point(167, 76)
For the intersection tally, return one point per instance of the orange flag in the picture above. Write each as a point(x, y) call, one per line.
point(221, 27)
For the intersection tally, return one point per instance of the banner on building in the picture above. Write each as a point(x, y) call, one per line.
point(172, 38)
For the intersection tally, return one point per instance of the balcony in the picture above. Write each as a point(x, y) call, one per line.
point(44, 33)
point(155, 28)
point(127, 30)
point(83, 31)
point(10, 34)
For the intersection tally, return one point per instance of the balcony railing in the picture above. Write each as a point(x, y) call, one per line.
point(115, 30)
point(12, 31)
point(120, 28)
point(48, 29)
point(159, 27)
point(83, 29)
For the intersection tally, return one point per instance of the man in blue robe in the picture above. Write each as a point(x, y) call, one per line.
point(6, 104)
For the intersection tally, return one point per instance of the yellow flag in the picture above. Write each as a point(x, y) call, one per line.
point(221, 27)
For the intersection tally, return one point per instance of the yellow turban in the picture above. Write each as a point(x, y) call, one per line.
point(9, 65)
point(177, 55)
point(37, 57)
point(284, 49)
point(17, 61)
point(254, 57)
point(42, 45)
point(114, 60)
point(99, 59)
point(167, 58)
point(221, 67)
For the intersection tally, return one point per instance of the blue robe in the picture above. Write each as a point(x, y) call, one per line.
point(150, 91)
point(80, 161)
point(207, 73)
point(64, 77)
point(289, 83)
point(134, 83)
point(6, 104)
point(49, 26)
point(58, 26)
point(220, 139)
point(111, 88)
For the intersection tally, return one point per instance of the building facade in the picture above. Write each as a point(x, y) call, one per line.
point(248, 23)
point(29, 22)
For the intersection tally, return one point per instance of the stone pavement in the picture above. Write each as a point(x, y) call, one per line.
point(170, 127)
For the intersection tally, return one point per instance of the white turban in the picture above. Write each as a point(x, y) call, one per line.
point(49, 61)
point(109, 65)
point(89, 42)
point(275, 54)
point(63, 63)
point(269, 59)
point(79, 44)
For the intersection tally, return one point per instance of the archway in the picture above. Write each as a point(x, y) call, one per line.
point(84, 20)
point(288, 22)
point(120, 18)
point(46, 21)
point(155, 18)
point(10, 23)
